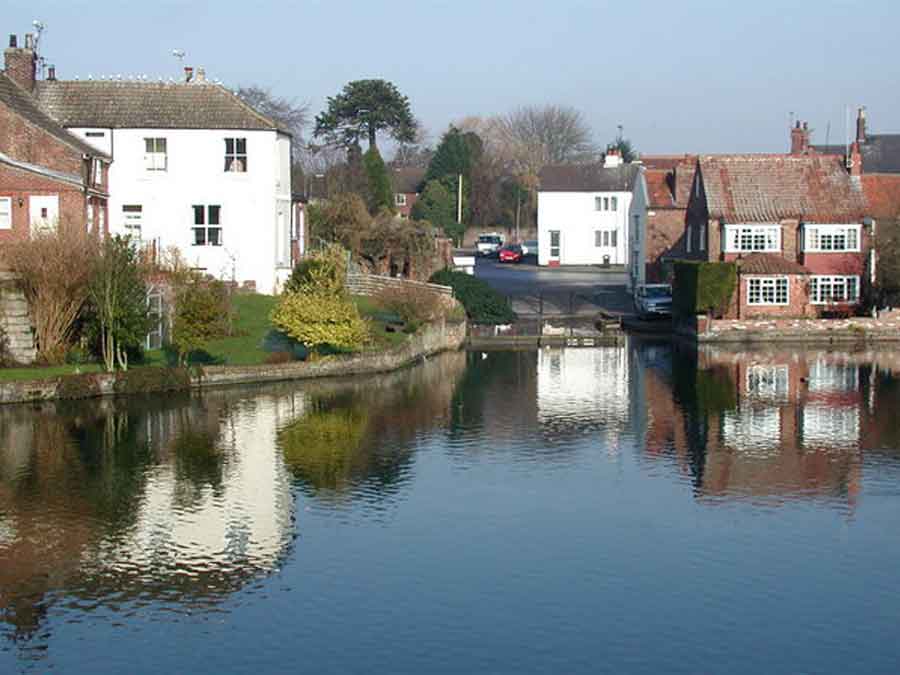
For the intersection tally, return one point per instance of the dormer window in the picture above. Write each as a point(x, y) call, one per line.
point(752, 238)
point(827, 238)
point(236, 155)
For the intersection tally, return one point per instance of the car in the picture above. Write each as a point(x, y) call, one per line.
point(653, 300)
point(511, 254)
point(529, 247)
point(488, 243)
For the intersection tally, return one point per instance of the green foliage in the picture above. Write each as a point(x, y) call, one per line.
point(380, 193)
point(705, 287)
point(318, 319)
point(202, 313)
point(456, 154)
point(888, 247)
point(324, 271)
point(366, 107)
point(437, 205)
point(118, 313)
point(625, 148)
point(483, 304)
point(414, 305)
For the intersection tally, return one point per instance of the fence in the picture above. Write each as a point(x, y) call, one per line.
point(372, 284)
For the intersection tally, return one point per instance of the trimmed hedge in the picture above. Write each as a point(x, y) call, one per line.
point(703, 287)
point(483, 304)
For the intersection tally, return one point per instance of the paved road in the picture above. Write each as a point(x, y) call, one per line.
point(557, 291)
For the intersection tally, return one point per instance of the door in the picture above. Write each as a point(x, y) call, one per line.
point(555, 247)
point(44, 212)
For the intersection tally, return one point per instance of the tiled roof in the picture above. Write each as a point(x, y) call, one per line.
point(669, 179)
point(770, 188)
point(588, 178)
point(147, 105)
point(659, 191)
point(407, 179)
point(766, 263)
point(20, 102)
point(880, 153)
point(883, 195)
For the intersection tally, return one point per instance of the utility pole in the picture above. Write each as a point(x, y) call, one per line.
point(518, 207)
point(459, 201)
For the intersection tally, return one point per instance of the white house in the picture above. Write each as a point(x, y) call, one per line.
point(585, 212)
point(194, 167)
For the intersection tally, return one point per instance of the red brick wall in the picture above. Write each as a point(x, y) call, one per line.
point(406, 210)
point(665, 231)
point(19, 185)
point(25, 142)
point(798, 300)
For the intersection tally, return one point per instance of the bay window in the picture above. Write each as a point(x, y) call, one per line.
point(750, 238)
point(833, 289)
point(767, 291)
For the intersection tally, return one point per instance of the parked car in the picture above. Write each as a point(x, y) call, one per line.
point(511, 254)
point(529, 247)
point(653, 300)
point(488, 243)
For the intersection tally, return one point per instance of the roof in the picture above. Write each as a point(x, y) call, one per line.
point(148, 105)
point(407, 179)
point(659, 190)
point(588, 178)
point(766, 263)
point(880, 152)
point(883, 195)
point(771, 188)
point(20, 102)
point(669, 180)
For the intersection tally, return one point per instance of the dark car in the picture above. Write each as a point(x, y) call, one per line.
point(511, 254)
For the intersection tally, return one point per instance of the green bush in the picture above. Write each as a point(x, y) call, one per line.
point(483, 304)
point(318, 319)
point(324, 271)
point(202, 313)
point(704, 287)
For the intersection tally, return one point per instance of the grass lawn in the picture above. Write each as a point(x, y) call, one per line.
point(246, 348)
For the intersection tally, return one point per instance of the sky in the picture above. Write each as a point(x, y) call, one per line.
point(689, 76)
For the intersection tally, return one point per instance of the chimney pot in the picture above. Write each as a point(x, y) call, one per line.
point(861, 126)
point(201, 74)
point(29, 41)
point(13, 41)
point(188, 73)
point(51, 73)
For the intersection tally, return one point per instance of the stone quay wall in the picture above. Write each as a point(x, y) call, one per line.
point(884, 328)
point(373, 284)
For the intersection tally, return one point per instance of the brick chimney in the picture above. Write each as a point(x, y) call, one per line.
point(20, 63)
point(612, 158)
point(800, 139)
point(854, 161)
point(861, 126)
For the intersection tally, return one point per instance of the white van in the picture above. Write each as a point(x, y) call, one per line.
point(489, 243)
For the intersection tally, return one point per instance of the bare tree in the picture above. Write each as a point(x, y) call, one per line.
point(416, 153)
point(289, 114)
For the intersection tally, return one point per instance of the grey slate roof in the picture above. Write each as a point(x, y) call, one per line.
point(880, 153)
point(588, 178)
point(148, 105)
point(20, 102)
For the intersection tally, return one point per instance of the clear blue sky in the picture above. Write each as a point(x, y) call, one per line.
point(688, 76)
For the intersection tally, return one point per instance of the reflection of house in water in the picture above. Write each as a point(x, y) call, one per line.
point(583, 389)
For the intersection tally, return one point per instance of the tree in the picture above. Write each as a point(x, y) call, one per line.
point(437, 205)
point(379, 193)
point(624, 148)
point(202, 313)
point(118, 296)
point(287, 113)
point(365, 108)
point(54, 267)
point(456, 154)
point(416, 153)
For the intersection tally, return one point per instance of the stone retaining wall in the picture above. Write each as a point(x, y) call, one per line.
point(428, 341)
point(886, 327)
point(373, 284)
point(15, 321)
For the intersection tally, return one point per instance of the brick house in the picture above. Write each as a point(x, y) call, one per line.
point(796, 225)
point(669, 180)
point(47, 175)
point(406, 182)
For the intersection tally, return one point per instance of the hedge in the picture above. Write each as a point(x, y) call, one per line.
point(483, 304)
point(701, 287)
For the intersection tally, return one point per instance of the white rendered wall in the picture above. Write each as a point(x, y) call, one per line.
point(575, 216)
point(255, 240)
point(638, 245)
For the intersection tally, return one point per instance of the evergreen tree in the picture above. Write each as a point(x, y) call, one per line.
point(379, 194)
point(364, 108)
point(437, 205)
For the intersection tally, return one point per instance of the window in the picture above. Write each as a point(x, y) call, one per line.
point(400, 199)
point(133, 220)
point(101, 218)
point(831, 238)
point(5, 213)
point(94, 134)
point(236, 155)
point(207, 225)
point(90, 217)
point(598, 203)
point(614, 238)
point(749, 238)
point(767, 291)
point(606, 237)
point(701, 245)
point(688, 239)
point(606, 203)
point(96, 172)
point(824, 290)
point(554, 244)
point(614, 203)
point(768, 381)
point(155, 155)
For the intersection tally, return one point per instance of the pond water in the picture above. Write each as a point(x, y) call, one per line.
point(631, 508)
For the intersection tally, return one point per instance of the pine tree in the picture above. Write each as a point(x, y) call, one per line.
point(379, 194)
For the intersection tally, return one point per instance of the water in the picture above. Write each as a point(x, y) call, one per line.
point(625, 509)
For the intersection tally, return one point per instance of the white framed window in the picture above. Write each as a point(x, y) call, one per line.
point(606, 238)
point(768, 290)
point(824, 290)
point(749, 238)
point(5, 213)
point(701, 244)
point(155, 154)
point(400, 199)
point(768, 381)
point(827, 238)
point(96, 171)
point(688, 239)
point(207, 225)
point(236, 155)
point(133, 221)
point(613, 203)
point(606, 203)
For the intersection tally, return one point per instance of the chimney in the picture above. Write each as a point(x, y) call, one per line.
point(854, 161)
point(51, 73)
point(21, 62)
point(861, 125)
point(612, 158)
point(201, 76)
point(188, 73)
point(800, 138)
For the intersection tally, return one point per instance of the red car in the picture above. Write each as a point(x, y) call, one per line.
point(511, 254)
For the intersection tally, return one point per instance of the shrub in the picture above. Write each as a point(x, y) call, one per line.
point(324, 271)
point(483, 304)
point(202, 313)
point(318, 319)
point(55, 268)
point(414, 304)
point(705, 287)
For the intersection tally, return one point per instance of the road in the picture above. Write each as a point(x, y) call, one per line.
point(533, 290)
